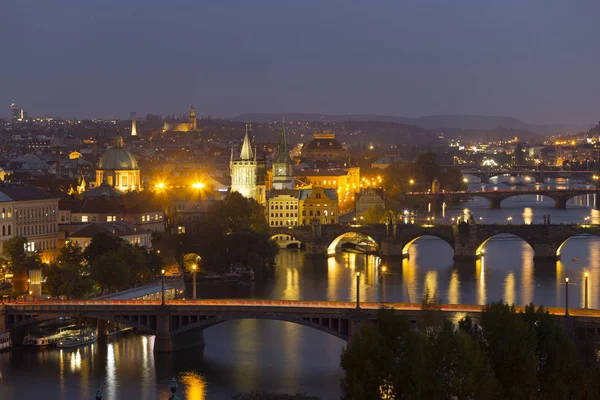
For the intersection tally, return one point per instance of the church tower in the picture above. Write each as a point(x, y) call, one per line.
point(283, 166)
point(133, 125)
point(193, 121)
point(247, 173)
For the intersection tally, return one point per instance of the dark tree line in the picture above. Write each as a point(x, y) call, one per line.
point(509, 355)
point(232, 231)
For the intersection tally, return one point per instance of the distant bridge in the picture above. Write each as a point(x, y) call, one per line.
point(495, 197)
point(539, 176)
point(180, 324)
point(467, 240)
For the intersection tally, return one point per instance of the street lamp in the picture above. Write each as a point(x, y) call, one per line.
point(383, 271)
point(411, 181)
point(585, 294)
point(162, 283)
point(509, 219)
point(566, 297)
point(357, 290)
point(194, 267)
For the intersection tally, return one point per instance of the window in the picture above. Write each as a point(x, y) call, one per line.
point(111, 218)
point(156, 217)
point(9, 230)
point(124, 181)
point(143, 218)
point(181, 229)
point(84, 218)
point(318, 195)
point(310, 213)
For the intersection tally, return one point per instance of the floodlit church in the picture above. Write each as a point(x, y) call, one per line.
point(247, 172)
point(180, 125)
point(118, 169)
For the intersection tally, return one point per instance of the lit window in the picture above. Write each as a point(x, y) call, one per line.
point(143, 218)
point(181, 229)
point(84, 218)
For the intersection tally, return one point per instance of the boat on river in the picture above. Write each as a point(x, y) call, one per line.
point(49, 338)
point(85, 336)
point(5, 341)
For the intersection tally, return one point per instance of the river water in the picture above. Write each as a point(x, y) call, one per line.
point(244, 355)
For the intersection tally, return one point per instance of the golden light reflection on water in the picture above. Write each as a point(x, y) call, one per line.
point(480, 274)
point(111, 372)
point(409, 280)
point(292, 287)
point(509, 288)
point(527, 281)
point(527, 215)
point(431, 284)
point(195, 385)
point(454, 288)
point(332, 279)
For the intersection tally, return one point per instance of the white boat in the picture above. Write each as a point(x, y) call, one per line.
point(5, 341)
point(86, 336)
point(48, 339)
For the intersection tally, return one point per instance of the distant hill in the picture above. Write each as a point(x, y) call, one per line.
point(467, 122)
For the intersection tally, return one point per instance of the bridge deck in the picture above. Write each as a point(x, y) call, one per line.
point(256, 305)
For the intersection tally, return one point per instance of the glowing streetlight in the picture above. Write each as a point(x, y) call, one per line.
point(159, 186)
point(465, 180)
point(585, 281)
point(194, 267)
point(411, 181)
point(162, 285)
point(357, 290)
point(383, 271)
point(566, 297)
point(198, 185)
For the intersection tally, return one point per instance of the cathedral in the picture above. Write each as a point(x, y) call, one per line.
point(180, 126)
point(247, 172)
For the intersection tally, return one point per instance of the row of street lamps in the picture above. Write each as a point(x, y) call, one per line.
point(384, 270)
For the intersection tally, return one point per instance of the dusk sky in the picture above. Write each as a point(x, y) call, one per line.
point(534, 60)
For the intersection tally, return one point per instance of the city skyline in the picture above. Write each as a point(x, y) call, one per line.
point(334, 58)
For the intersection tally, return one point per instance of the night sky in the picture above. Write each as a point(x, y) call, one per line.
point(537, 60)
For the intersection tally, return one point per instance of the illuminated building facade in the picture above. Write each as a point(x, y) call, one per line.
point(118, 169)
point(31, 213)
point(283, 207)
point(325, 147)
point(182, 126)
point(369, 198)
point(317, 204)
point(247, 172)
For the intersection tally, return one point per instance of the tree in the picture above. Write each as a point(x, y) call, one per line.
point(19, 262)
point(69, 274)
point(384, 360)
point(510, 346)
point(458, 367)
point(101, 244)
point(519, 156)
point(111, 271)
point(374, 215)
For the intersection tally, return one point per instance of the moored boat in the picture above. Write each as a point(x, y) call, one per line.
point(5, 341)
point(47, 339)
point(86, 336)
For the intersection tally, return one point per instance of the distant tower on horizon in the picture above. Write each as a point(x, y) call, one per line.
point(179, 124)
point(283, 166)
point(133, 125)
point(16, 113)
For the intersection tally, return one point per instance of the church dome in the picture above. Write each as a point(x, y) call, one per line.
point(323, 142)
point(117, 158)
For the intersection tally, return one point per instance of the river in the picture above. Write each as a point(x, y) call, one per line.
point(245, 355)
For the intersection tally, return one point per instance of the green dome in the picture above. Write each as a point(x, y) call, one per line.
point(117, 158)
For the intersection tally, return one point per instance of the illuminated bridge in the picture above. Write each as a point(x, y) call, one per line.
point(467, 240)
point(495, 197)
point(180, 324)
point(540, 176)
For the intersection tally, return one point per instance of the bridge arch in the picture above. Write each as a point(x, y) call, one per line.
point(410, 242)
point(354, 237)
point(286, 240)
point(582, 235)
point(480, 251)
point(338, 327)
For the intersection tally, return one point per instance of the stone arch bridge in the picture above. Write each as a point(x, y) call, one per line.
point(467, 240)
point(495, 197)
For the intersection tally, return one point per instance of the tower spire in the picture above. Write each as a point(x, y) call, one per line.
point(246, 153)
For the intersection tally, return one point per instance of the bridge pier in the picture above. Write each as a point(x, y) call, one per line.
point(540, 178)
point(391, 248)
point(163, 340)
point(495, 203)
point(315, 249)
point(544, 252)
point(560, 203)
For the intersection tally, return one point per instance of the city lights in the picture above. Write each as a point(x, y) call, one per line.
point(198, 185)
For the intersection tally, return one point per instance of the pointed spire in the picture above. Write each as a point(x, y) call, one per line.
point(282, 147)
point(246, 153)
point(231, 158)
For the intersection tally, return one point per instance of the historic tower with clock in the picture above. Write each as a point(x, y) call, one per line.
point(283, 167)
